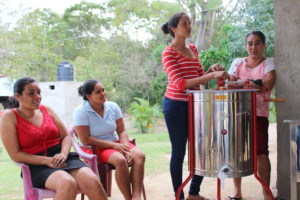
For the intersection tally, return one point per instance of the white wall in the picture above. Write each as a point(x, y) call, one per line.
point(62, 97)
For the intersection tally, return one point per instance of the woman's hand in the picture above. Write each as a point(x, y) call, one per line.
point(221, 74)
point(216, 67)
point(58, 160)
point(128, 158)
point(122, 148)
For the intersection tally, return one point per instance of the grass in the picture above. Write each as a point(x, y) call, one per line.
point(155, 146)
point(11, 186)
point(157, 149)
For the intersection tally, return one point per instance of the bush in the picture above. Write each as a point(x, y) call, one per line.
point(143, 114)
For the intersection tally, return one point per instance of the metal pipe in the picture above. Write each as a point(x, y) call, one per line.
point(218, 189)
point(254, 120)
point(191, 143)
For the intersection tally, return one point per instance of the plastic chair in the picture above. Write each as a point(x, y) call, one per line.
point(31, 193)
point(104, 169)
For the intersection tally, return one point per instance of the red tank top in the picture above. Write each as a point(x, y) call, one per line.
point(34, 139)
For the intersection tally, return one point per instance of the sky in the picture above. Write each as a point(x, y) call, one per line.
point(56, 5)
point(9, 7)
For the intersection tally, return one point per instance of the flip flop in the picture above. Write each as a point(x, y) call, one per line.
point(234, 198)
point(202, 198)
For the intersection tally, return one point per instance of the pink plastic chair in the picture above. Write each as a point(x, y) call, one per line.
point(104, 169)
point(31, 193)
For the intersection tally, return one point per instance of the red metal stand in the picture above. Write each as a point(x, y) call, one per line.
point(218, 189)
point(191, 141)
point(254, 130)
point(191, 147)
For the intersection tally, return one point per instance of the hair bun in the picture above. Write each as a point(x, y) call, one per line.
point(165, 28)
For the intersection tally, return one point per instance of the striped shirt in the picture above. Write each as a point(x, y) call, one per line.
point(179, 69)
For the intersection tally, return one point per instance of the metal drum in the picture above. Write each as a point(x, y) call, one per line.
point(223, 134)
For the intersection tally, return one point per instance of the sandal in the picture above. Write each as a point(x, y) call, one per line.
point(234, 198)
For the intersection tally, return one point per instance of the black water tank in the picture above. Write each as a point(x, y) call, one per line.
point(65, 71)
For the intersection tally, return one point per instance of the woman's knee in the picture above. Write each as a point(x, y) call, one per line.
point(69, 183)
point(120, 162)
point(90, 179)
point(139, 156)
point(63, 182)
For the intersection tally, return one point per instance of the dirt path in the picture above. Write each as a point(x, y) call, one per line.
point(158, 186)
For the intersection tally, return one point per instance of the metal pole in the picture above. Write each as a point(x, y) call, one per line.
point(254, 120)
point(191, 141)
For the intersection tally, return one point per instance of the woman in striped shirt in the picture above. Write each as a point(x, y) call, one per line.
point(184, 70)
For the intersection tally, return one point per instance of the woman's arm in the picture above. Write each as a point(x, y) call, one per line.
point(205, 78)
point(83, 133)
point(66, 142)
point(10, 141)
point(175, 74)
point(268, 82)
point(123, 136)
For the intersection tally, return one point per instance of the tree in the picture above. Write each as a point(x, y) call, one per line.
point(30, 52)
point(251, 15)
point(203, 14)
point(84, 22)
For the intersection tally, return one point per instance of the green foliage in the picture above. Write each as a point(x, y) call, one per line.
point(158, 87)
point(157, 149)
point(30, 53)
point(144, 114)
point(212, 56)
point(252, 15)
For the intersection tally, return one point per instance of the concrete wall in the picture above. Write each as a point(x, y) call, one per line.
point(62, 97)
point(287, 58)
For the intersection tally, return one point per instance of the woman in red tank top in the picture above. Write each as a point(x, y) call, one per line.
point(33, 134)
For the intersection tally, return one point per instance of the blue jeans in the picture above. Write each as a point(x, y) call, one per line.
point(176, 117)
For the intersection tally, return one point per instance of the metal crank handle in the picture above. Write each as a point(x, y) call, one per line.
point(274, 100)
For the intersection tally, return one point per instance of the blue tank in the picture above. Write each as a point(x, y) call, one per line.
point(65, 71)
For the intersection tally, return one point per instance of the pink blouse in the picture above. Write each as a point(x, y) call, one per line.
point(239, 69)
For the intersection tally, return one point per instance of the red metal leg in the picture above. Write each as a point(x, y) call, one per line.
point(191, 141)
point(218, 189)
point(254, 120)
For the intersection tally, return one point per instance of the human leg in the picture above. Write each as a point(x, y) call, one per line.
point(63, 184)
point(264, 171)
point(137, 172)
point(89, 183)
point(263, 162)
point(122, 176)
point(237, 184)
point(195, 188)
point(175, 113)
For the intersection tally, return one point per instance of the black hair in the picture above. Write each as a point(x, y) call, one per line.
point(87, 88)
point(173, 22)
point(260, 34)
point(19, 87)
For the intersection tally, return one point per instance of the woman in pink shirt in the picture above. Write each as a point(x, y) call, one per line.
point(261, 70)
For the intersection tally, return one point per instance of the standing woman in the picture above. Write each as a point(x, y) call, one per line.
point(184, 70)
point(260, 69)
point(33, 134)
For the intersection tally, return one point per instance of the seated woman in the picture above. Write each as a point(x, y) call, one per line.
point(100, 123)
point(33, 134)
